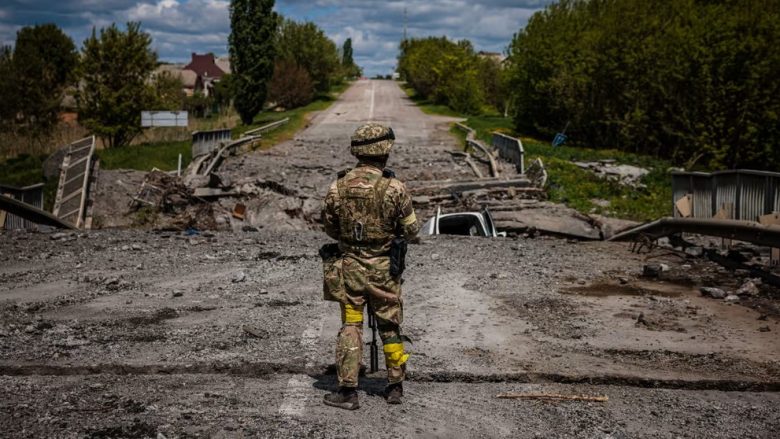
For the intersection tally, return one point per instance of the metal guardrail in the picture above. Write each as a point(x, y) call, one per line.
point(203, 142)
point(510, 149)
point(31, 195)
point(265, 128)
point(739, 195)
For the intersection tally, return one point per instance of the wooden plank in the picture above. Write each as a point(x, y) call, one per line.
point(552, 396)
point(685, 206)
point(82, 205)
point(2, 219)
point(61, 185)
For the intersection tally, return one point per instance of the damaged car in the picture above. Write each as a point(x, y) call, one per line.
point(462, 223)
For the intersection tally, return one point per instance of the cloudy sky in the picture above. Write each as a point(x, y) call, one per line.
point(180, 27)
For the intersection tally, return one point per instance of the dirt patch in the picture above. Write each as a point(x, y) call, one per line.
point(605, 289)
point(155, 318)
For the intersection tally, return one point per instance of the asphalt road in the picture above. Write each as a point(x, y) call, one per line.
point(132, 333)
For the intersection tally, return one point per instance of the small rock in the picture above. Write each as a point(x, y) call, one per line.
point(732, 298)
point(125, 248)
point(696, 252)
point(435, 256)
point(58, 236)
point(178, 293)
point(623, 280)
point(239, 277)
point(652, 270)
point(748, 288)
point(763, 317)
point(764, 329)
point(263, 292)
point(715, 293)
point(136, 247)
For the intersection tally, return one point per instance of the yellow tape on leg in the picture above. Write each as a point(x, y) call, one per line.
point(351, 314)
point(394, 354)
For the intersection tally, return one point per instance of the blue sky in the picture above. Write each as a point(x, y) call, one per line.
point(180, 27)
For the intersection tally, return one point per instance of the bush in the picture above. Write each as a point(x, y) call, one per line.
point(291, 86)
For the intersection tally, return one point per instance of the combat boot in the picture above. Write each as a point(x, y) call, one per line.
point(345, 398)
point(394, 392)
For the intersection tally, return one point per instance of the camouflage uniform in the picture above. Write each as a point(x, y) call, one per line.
point(364, 210)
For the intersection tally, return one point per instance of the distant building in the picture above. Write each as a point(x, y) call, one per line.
point(200, 75)
point(208, 69)
point(495, 56)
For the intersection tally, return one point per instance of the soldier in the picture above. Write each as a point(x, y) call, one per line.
point(365, 209)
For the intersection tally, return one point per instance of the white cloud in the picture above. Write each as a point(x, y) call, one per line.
point(375, 26)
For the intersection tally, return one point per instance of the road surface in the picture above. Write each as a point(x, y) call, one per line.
point(131, 333)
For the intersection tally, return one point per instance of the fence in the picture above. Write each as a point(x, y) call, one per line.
point(510, 149)
point(32, 195)
point(740, 195)
point(203, 142)
point(70, 205)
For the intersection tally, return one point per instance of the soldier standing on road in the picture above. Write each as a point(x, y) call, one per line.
point(366, 209)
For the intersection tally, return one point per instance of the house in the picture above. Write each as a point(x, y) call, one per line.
point(209, 70)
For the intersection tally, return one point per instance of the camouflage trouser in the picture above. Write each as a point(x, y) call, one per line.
point(368, 280)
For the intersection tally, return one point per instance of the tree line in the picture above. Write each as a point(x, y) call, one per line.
point(692, 81)
point(451, 73)
point(274, 60)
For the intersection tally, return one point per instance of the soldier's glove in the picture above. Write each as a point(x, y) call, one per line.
point(329, 251)
point(398, 249)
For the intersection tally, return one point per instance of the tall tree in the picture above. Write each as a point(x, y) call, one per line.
point(115, 67)
point(252, 53)
point(42, 66)
point(308, 46)
point(346, 53)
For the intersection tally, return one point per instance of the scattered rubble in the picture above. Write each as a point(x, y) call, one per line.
point(624, 174)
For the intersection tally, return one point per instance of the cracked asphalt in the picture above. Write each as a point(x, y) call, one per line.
point(132, 333)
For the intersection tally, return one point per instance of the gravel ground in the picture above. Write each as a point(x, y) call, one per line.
point(131, 333)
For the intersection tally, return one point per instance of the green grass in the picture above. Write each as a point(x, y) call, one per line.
point(298, 118)
point(578, 188)
point(163, 156)
point(26, 170)
point(427, 106)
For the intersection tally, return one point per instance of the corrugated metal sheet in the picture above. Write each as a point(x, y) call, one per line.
point(742, 194)
point(203, 142)
point(32, 195)
point(511, 149)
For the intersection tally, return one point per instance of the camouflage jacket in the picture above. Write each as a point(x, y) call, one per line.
point(364, 227)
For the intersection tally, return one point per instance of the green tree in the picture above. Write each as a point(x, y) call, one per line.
point(309, 47)
point(168, 91)
point(115, 67)
point(291, 85)
point(350, 69)
point(252, 53)
point(8, 90)
point(688, 80)
point(41, 67)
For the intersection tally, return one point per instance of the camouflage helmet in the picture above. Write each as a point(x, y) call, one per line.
point(372, 139)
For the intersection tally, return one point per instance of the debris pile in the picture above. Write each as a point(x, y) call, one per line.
point(627, 175)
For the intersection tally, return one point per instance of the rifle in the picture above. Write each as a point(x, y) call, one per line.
point(374, 365)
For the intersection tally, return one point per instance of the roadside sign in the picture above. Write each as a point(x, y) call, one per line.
point(163, 119)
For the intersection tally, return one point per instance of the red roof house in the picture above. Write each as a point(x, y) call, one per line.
point(205, 66)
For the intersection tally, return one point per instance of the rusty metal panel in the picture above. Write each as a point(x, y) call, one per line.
point(203, 142)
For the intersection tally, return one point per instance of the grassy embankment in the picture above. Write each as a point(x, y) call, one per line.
point(571, 185)
point(26, 169)
point(164, 155)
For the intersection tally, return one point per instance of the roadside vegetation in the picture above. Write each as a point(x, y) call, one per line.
point(653, 84)
point(280, 68)
point(581, 189)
